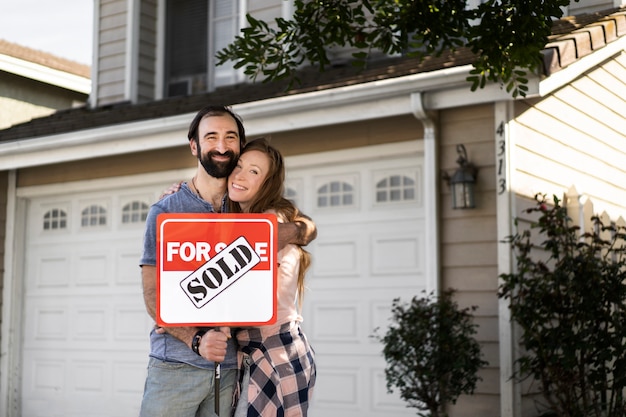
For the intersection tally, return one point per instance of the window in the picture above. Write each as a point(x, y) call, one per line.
point(335, 194)
point(194, 31)
point(135, 212)
point(395, 188)
point(223, 19)
point(291, 195)
point(55, 219)
point(93, 216)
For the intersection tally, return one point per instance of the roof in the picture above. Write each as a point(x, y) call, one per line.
point(577, 36)
point(572, 39)
point(44, 58)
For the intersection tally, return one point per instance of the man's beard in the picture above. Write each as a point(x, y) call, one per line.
point(218, 169)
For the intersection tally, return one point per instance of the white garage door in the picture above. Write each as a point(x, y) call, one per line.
point(85, 337)
point(85, 327)
point(368, 207)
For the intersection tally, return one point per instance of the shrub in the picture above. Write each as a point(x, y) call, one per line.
point(431, 354)
point(567, 296)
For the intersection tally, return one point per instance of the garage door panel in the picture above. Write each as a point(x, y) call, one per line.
point(90, 319)
point(85, 381)
point(48, 270)
point(46, 375)
point(354, 385)
point(344, 322)
point(46, 322)
point(92, 268)
point(397, 253)
point(132, 324)
point(127, 269)
point(337, 256)
point(83, 386)
point(362, 250)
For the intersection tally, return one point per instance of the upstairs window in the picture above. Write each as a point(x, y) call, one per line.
point(194, 31)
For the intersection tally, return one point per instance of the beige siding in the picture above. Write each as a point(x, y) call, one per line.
point(468, 252)
point(147, 51)
point(574, 138)
point(112, 50)
point(127, 164)
point(344, 136)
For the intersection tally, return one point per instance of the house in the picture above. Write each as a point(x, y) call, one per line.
point(365, 153)
point(36, 84)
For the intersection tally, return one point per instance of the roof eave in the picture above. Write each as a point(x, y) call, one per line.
point(569, 73)
point(45, 74)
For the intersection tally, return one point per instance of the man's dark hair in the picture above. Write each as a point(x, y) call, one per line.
point(213, 110)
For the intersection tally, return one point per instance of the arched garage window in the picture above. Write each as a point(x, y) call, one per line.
point(135, 212)
point(93, 216)
point(335, 194)
point(395, 188)
point(55, 219)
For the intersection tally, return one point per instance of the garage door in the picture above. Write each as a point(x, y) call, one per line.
point(85, 335)
point(85, 328)
point(368, 207)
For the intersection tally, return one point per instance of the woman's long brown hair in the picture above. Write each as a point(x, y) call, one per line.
point(270, 197)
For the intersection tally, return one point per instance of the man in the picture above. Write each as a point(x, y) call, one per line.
point(181, 365)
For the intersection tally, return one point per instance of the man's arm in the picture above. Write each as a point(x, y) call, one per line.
point(213, 343)
point(300, 232)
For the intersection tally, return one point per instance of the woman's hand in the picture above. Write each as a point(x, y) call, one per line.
point(174, 188)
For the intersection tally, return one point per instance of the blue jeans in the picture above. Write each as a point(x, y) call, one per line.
point(241, 410)
point(181, 390)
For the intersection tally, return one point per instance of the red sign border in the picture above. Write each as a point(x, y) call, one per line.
point(221, 218)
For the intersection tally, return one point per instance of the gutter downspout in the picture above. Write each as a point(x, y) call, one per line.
point(11, 345)
point(431, 195)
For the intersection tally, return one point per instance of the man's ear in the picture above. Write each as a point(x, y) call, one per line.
point(194, 147)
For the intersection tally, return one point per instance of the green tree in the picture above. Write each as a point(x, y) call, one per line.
point(506, 36)
point(431, 354)
point(568, 296)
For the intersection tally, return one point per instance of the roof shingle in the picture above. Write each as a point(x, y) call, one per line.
point(43, 58)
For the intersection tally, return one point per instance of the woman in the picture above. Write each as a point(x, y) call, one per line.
point(282, 367)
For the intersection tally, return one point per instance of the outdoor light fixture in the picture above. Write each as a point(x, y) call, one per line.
point(462, 181)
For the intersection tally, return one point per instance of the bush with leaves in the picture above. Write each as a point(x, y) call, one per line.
point(568, 296)
point(432, 357)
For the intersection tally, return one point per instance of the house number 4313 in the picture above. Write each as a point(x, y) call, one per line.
point(501, 155)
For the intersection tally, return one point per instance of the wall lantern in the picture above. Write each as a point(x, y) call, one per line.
point(462, 182)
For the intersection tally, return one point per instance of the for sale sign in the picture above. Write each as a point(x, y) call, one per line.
point(216, 269)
